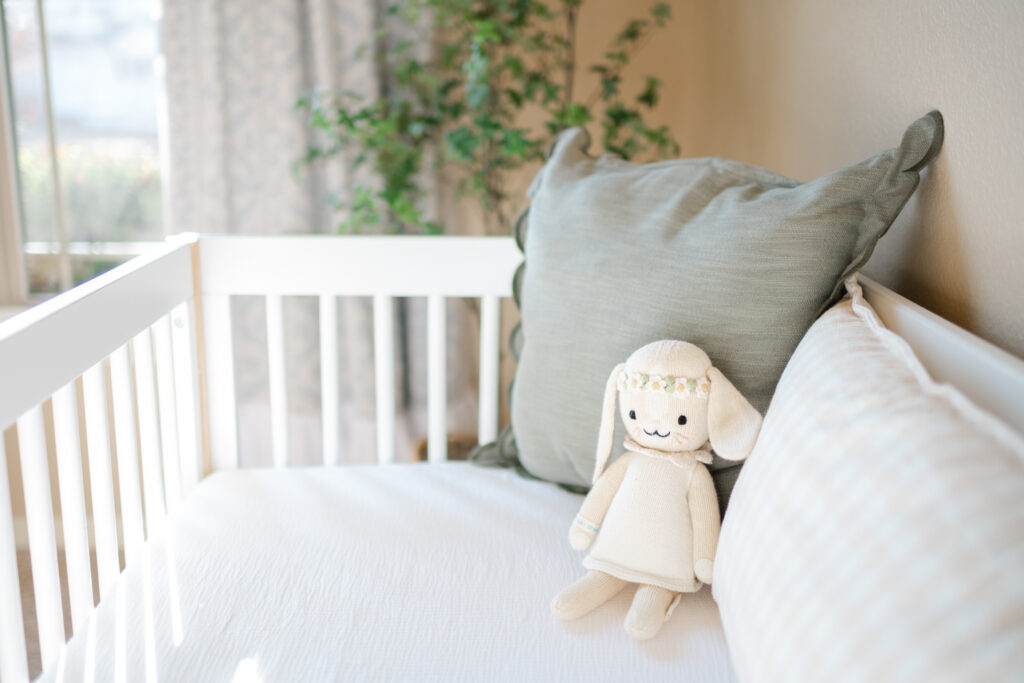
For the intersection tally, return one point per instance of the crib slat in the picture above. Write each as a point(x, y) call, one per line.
point(167, 411)
point(490, 330)
point(384, 375)
point(182, 343)
point(149, 433)
point(140, 291)
point(127, 455)
point(278, 383)
point(72, 504)
point(101, 478)
point(437, 380)
point(329, 377)
point(13, 657)
point(220, 382)
point(42, 542)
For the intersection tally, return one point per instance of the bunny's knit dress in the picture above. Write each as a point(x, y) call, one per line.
point(647, 535)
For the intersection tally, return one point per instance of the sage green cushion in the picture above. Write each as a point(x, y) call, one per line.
point(736, 259)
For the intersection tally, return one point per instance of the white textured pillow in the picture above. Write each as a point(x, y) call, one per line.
point(877, 530)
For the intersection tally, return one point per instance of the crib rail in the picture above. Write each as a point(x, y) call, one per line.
point(67, 366)
point(380, 267)
point(36, 357)
point(118, 395)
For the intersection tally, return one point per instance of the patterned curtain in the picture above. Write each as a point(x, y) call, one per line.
point(234, 71)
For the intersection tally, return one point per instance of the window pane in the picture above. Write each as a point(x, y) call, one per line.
point(104, 93)
point(30, 120)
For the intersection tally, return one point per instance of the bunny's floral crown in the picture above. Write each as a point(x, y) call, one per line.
point(679, 386)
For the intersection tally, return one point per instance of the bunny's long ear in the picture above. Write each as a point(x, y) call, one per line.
point(607, 431)
point(733, 424)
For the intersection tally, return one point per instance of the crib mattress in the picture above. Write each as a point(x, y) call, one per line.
point(403, 572)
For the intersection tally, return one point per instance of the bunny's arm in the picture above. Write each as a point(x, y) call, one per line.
point(596, 504)
point(706, 521)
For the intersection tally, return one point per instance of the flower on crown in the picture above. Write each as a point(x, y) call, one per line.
point(632, 381)
point(676, 386)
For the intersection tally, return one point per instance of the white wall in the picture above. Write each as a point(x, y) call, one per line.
point(807, 86)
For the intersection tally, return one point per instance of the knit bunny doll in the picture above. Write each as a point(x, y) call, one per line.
point(652, 516)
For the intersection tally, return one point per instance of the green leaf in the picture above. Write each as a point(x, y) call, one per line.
point(609, 87)
point(551, 92)
point(534, 84)
point(632, 32)
point(486, 32)
point(574, 115)
point(450, 52)
point(515, 143)
point(662, 13)
point(515, 96)
point(649, 96)
point(617, 56)
point(541, 10)
point(400, 48)
point(462, 143)
point(515, 67)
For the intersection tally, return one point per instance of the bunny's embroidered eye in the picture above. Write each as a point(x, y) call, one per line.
point(632, 415)
point(682, 419)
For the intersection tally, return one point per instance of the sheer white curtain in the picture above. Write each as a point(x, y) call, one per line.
point(234, 70)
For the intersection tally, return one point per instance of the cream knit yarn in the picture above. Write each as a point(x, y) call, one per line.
point(673, 403)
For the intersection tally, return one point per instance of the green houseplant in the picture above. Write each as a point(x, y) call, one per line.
point(497, 85)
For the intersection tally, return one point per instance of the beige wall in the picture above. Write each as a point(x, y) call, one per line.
point(806, 86)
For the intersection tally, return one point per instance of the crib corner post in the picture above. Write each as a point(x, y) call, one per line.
point(215, 362)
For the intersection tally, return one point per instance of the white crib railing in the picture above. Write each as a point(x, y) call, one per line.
point(144, 354)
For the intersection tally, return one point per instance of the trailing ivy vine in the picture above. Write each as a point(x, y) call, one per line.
point(494, 66)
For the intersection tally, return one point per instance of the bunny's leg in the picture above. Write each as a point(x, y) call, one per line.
point(651, 607)
point(588, 593)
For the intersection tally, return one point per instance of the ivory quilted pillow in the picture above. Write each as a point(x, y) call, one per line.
point(735, 259)
point(877, 530)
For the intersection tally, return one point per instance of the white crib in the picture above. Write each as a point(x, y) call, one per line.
point(160, 325)
point(152, 339)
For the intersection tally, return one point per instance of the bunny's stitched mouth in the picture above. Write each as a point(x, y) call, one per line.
point(657, 433)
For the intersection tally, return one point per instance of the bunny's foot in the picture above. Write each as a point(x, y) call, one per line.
point(652, 606)
point(588, 593)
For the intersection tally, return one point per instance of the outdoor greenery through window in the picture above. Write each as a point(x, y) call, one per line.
point(104, 95)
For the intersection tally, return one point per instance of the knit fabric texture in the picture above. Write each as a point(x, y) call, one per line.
point(652, 516)
point(646, 535)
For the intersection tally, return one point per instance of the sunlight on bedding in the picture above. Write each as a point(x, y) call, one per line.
point(161, 624)
point(248, 671)
point(359, 545)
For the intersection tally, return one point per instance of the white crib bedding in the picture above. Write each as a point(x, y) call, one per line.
point(403, 572)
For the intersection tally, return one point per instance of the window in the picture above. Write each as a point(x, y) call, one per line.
point(84, 93)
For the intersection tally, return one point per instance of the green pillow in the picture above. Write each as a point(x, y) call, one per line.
point(734, 258)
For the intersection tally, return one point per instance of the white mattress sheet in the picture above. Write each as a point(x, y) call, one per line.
point(402, 572)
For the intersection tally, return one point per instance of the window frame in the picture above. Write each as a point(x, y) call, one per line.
point(13, 279)
point(16, 253)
